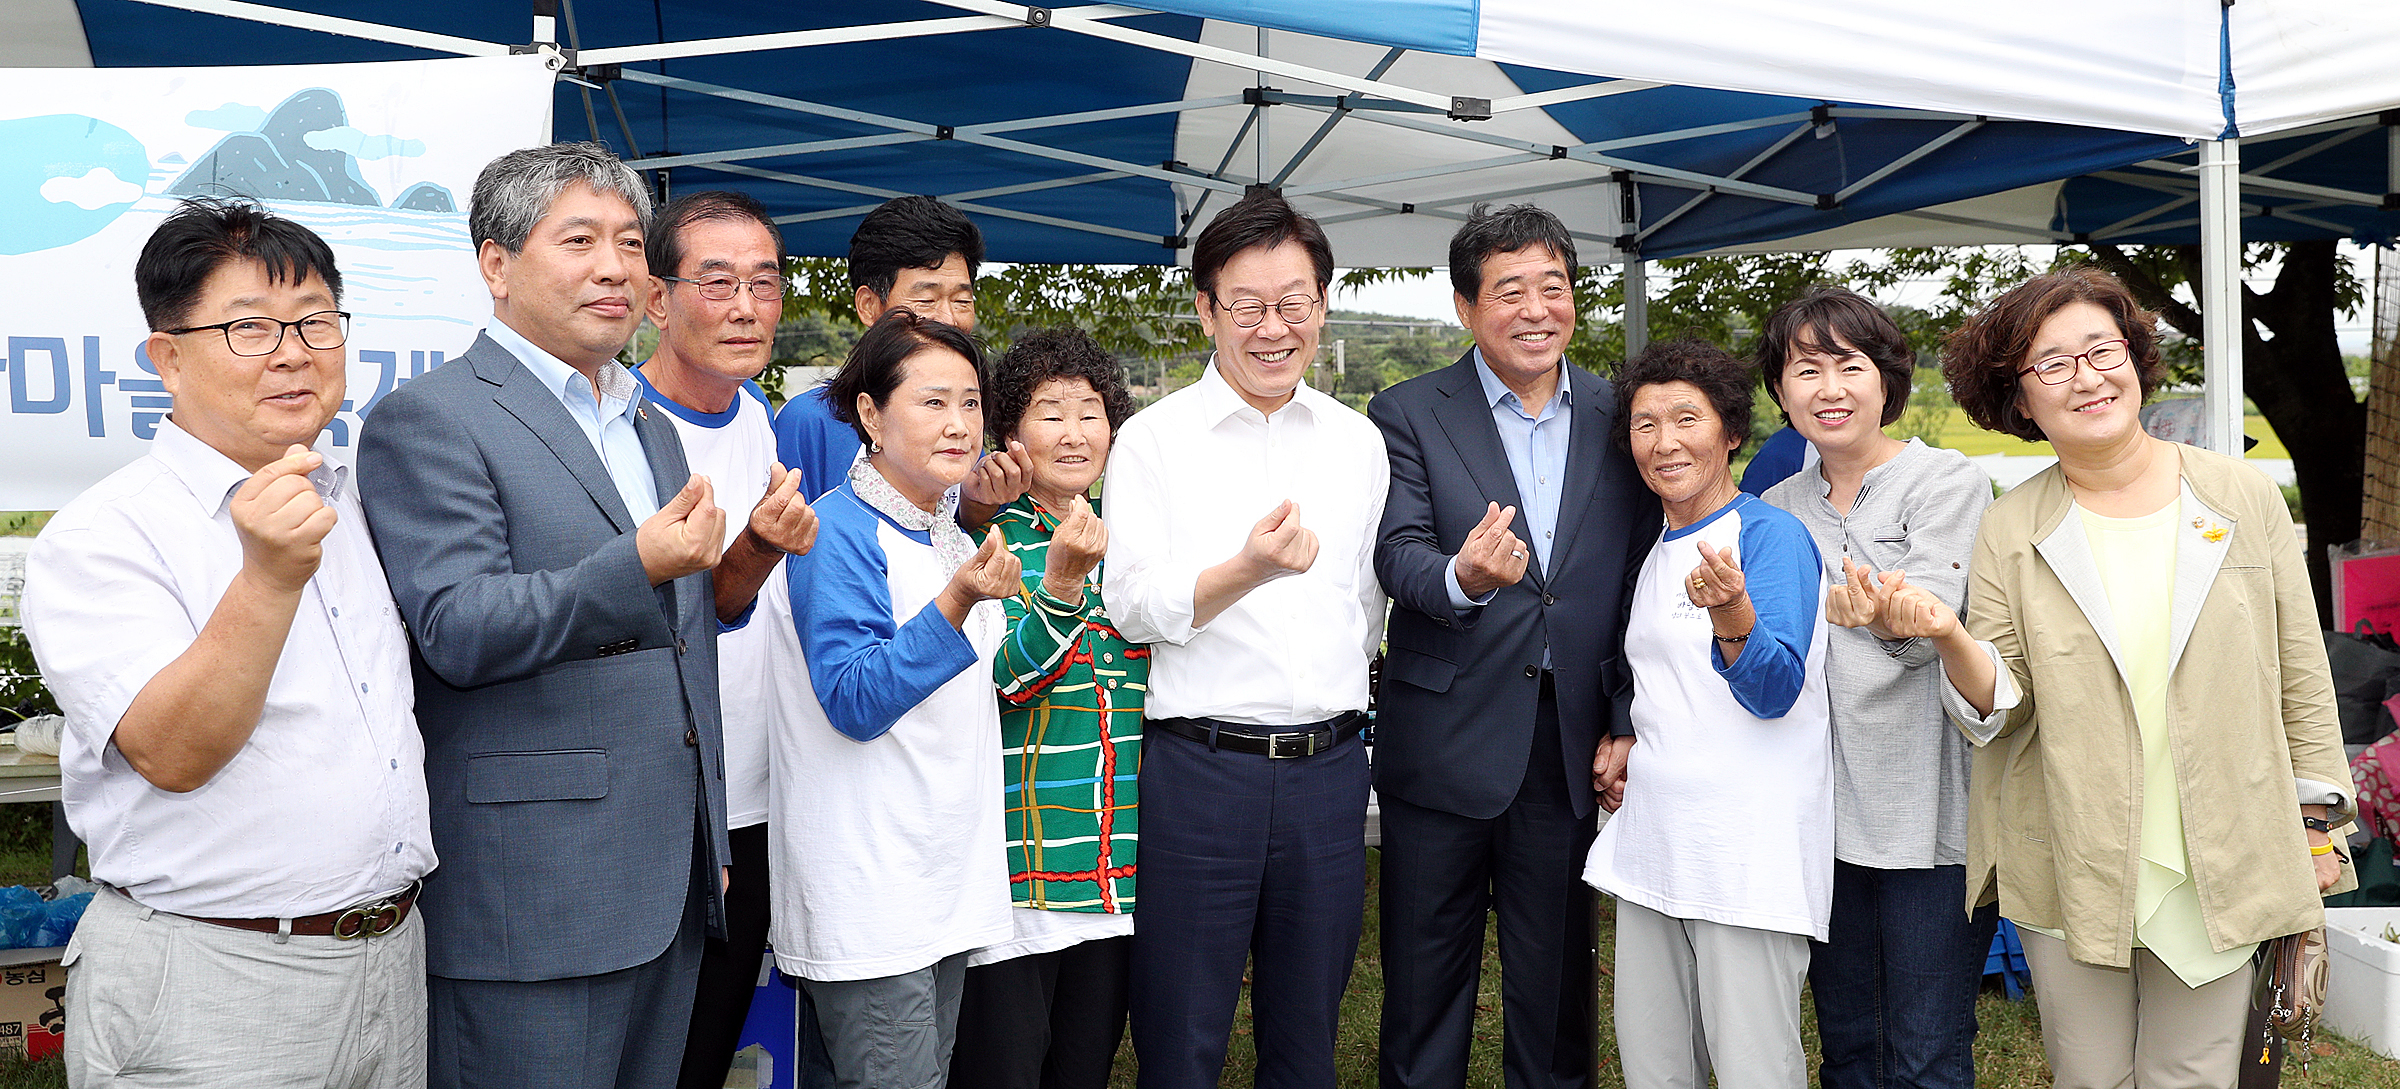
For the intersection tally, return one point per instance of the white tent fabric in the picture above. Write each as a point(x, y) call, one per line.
point(2301, 62)
point(2136, 65)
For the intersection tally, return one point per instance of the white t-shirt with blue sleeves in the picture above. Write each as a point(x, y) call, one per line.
point(1728, 813)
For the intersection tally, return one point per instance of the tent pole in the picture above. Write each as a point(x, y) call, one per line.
point(2221, 294)
point(1637, 305)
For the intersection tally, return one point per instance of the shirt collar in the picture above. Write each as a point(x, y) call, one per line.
point(1219, 401)
point(565, 382)
point(213, 477)
point(1494, 389)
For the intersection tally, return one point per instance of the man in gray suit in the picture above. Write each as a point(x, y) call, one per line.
point(551, 560)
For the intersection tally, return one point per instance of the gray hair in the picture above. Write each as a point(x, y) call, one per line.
point(516, 190)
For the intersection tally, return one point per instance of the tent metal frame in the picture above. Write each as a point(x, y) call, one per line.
point(1370, 98)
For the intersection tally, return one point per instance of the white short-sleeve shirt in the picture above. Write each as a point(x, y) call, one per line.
point(325, 805)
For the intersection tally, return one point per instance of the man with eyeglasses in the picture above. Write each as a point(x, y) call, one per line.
point(718, 265)
point(910, 253)
point(240, 753)
point(1241, 519)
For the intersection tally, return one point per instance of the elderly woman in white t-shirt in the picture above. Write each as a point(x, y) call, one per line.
point(1720, 852)
point(886, 826)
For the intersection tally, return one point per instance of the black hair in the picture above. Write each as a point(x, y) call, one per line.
point(1507, 230)
point(1724, 380)
point(1066, 352)
point(1812, 322)
point(666, 229)
point(204, 234)
point(910, 232)
point(1261, 220)
point(878, 360)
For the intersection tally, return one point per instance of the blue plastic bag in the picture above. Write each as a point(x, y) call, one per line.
point(21, 916)
point(59, 918)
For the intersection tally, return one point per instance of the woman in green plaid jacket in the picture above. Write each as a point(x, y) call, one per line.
point(1047, 1008)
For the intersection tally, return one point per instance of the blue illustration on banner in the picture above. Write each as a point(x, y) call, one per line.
point(68, 177)
point(304, 150)
point(64, 178)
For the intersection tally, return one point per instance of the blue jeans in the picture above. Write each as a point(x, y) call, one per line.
point(1896, 985)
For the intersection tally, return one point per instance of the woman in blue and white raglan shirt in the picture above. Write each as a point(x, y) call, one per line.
point(1720, 852)
point(891, 863)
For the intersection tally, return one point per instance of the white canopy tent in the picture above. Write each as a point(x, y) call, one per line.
point(1103, 132)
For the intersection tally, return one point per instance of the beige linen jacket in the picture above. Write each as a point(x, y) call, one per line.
point(2055, 809)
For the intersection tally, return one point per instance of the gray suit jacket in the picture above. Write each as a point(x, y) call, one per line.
point(1454, 718)
point(572, 750)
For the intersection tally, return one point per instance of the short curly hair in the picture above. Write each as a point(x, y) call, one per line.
point(1812, 322)
point(1064, 352)
point(1725, 380)
point(1981, 357)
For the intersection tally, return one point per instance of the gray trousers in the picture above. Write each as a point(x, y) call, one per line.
point(158, 1000)
point(2114, 1028)
point(624, 1028)
point(1694, 996)
point(891, 1032)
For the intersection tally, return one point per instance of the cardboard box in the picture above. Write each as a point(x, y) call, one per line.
point(2362, 989)
point(33, 1002)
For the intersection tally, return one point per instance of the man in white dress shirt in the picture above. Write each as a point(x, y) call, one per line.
point(241, 753)
point(1242, 517)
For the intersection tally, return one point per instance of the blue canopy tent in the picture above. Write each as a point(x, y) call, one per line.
point(1106, 133)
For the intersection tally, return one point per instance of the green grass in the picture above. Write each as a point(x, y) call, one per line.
point(2008, 1050)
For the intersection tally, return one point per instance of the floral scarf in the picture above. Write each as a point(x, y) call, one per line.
point(951, 545)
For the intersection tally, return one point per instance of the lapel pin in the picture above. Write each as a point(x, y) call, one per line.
point(2196, 523)
point(2215, 533)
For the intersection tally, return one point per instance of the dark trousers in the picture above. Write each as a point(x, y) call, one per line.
point(1044, 1021)
point(1441, 873)
point(623, 1028)
point(1895, 986)
point(1246, 858)
point(729, 966)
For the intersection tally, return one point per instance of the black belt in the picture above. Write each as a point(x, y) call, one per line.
point(1284, 745)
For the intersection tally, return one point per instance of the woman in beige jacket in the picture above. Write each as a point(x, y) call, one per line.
point(2141, 672)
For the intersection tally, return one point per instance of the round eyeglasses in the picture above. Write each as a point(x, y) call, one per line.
point(2107, 355)
point(324, 331)
point(1293, 309)
point(721, 288)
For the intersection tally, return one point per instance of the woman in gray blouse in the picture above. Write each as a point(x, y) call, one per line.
point(1895, 983)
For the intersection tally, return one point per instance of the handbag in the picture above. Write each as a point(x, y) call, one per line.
point(2289, 992)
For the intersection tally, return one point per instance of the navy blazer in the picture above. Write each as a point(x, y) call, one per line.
point(569, 708)
point(1454, 719)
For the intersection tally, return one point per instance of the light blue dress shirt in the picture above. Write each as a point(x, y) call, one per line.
point(607, 422)
point(1537, 458)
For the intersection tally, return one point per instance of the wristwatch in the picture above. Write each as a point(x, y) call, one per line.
point(2317, 824)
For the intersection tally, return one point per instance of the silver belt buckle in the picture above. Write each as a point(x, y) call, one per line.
point(1307, 746)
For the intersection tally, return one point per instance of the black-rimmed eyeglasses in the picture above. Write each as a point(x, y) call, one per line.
point(324, 331)
point(2107, 355)
point(721, 288)
point(1293, 309)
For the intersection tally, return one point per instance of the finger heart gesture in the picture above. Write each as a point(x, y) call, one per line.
point(1717, 581)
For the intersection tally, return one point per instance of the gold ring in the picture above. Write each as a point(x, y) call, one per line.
point(1700, 582)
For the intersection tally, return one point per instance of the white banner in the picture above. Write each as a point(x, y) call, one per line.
point(380, 159)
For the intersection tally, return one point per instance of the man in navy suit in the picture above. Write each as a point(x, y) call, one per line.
point(1514, 519)
point(550, 555)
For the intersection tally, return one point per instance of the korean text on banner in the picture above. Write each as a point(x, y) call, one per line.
point(377, 158)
